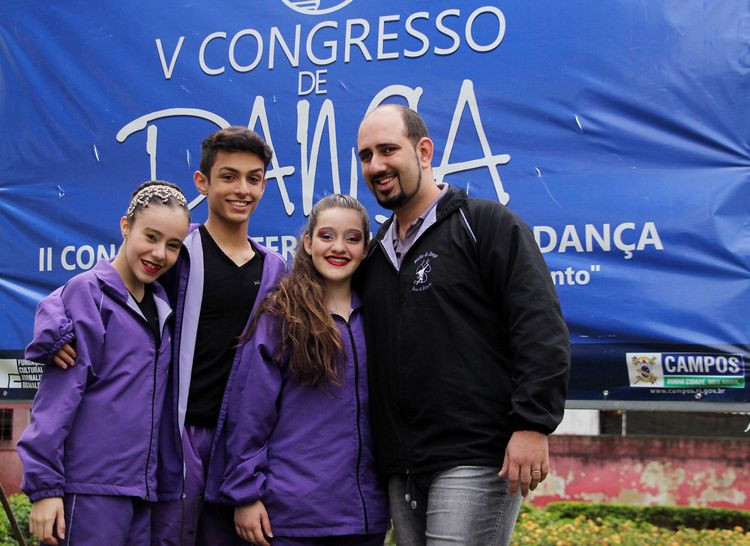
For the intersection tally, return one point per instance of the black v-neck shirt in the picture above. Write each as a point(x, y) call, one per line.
point(229, 292)
point(147, 305)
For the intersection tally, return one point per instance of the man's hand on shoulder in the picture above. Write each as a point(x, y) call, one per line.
point(526, 461)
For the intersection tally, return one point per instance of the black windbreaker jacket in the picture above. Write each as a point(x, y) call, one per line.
point(466, 342)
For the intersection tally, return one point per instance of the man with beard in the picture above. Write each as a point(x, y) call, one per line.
point(468, 354)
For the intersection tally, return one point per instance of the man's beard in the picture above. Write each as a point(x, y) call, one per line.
point(401, 199)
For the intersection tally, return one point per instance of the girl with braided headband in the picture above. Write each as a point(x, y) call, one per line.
point(91, 451)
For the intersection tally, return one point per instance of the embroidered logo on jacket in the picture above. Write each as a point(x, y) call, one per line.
point(422, 276)
point(422, 271)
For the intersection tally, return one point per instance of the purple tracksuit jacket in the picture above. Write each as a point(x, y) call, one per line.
point(186, 292)
point(305, 451)
point(95, 427)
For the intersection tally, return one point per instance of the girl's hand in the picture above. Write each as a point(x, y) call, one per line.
point(47, 515)
point(252, 524)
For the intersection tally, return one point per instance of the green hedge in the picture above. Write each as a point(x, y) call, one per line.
point(21, 507)
point(670, 517)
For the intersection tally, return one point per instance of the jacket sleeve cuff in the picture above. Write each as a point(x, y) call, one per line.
point(518, 423)
point(52, 329)
point(238, 491)
point(57, 345)
point(44, 494)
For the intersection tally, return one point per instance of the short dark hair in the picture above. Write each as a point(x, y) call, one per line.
point(233, 139)
point(413, 123)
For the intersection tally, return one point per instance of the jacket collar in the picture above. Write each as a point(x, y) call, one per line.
point(453, 199)
point(193, 245)
point(110, 279)
point(113, 284)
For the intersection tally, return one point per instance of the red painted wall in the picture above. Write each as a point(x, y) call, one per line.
point(11, 470)
point(648, 470)
point(622, 469)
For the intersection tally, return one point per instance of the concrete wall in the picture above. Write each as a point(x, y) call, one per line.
point(579, 423)
point(648, 470)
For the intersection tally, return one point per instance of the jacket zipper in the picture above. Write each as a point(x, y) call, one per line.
point(153, 399)
point(174, 354)
point(153, 403)
point(359, 425)
point(399, 279)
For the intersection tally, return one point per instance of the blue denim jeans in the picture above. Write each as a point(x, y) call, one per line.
point(467, 505)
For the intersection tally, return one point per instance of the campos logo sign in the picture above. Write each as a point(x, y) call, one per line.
point(686, 370)
point(316, 7)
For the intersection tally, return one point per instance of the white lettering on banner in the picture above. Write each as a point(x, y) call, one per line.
point(85, 256)
point(705, 364)
point(169, 69)
point(202, 54)
point(316, 81)
point(500, 34)
point(573, 277)
point(623, 237)
point(384, 37)
point(45, 258)
point(418, 35)
point(286, 245)
point(247, 47)
point(327, 120)
point(466, 97)
point(331, 45)
point(76, 257)
point(308, 166)
point(277, 172)
point(447, 32)
point(276, 37)
point(359, 41)
point(233, 45)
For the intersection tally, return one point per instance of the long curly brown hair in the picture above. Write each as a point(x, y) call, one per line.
point(309, 336)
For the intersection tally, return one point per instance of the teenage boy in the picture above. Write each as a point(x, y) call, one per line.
point(219, 280)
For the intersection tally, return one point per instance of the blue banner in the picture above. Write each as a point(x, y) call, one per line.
point(617, 129)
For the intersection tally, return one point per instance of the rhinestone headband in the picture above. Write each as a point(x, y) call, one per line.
point(155, 192)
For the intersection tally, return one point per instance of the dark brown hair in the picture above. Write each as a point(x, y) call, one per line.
point(309, 336)
point(233, 139)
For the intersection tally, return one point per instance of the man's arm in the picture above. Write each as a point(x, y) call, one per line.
point(519, 281)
